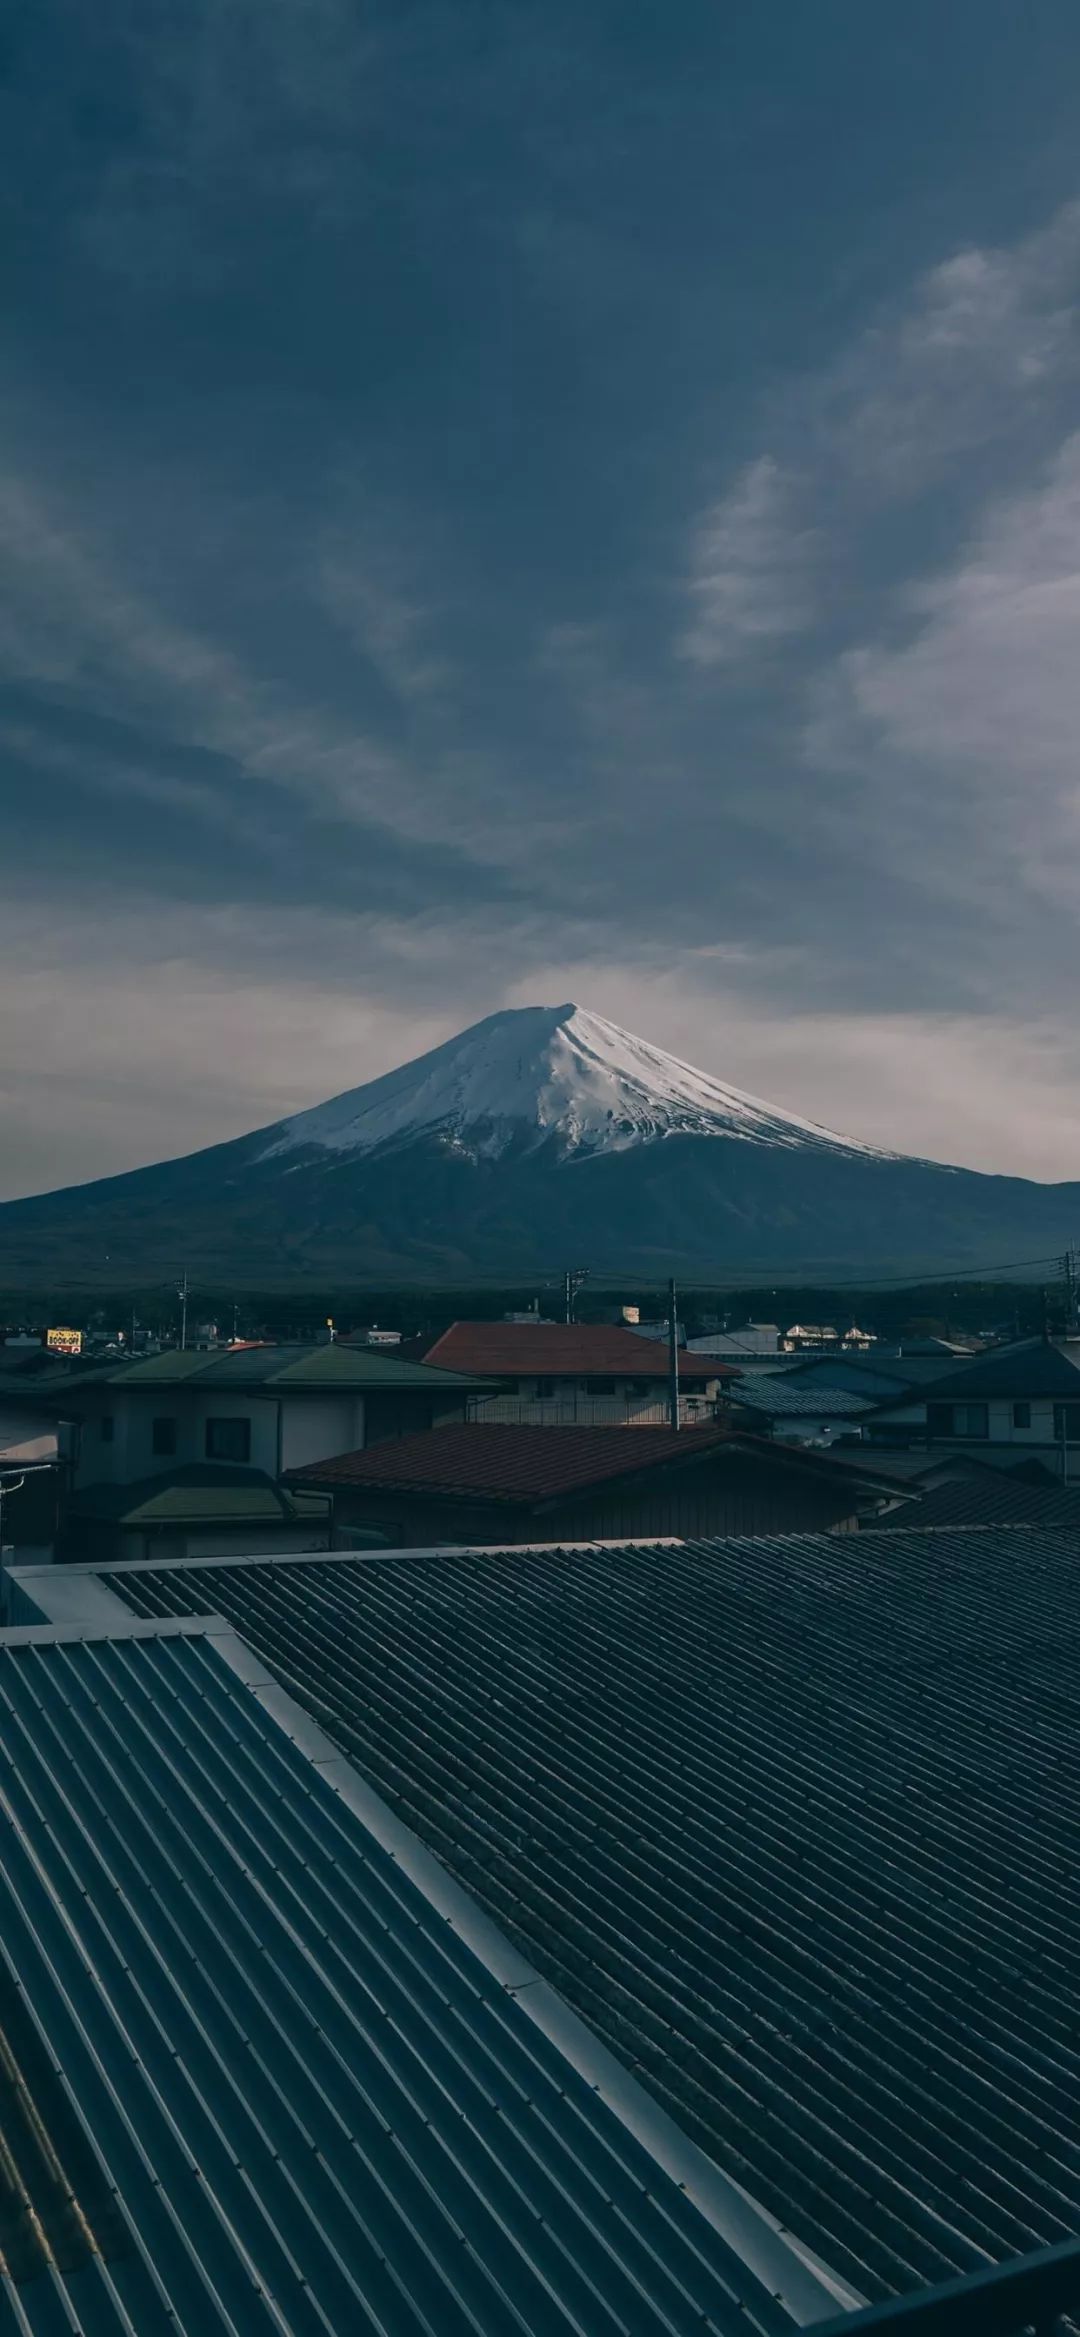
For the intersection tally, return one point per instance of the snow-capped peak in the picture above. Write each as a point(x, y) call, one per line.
point(537, 1074)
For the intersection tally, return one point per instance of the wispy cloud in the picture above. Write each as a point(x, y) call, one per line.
point(752, 568)
point(968, 710)
point(975, 362)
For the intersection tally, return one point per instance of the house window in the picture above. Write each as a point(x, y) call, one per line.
point(163, 1437)
point(641, 1387)
point(959, 1420)
point(1067, 1423)
point(228, 1440)
point(1021, 1416)
point(599, 1387)
point(106, 1427)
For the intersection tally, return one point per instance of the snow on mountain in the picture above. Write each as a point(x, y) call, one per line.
point(539, 1074)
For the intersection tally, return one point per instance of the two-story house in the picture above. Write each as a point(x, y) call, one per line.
point(196, 1443)
point(586, 1375)
point(1014, 1407)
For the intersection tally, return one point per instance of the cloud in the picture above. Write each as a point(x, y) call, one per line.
point(972, 365)
point(378, 642)
point(751, 568)
point(962, 725)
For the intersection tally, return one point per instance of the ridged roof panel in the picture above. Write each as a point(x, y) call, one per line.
point(792, 1823)
point(251, 2079)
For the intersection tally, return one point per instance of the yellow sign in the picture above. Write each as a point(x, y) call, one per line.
point(64, 1342)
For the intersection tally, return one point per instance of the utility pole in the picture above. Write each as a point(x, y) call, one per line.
point(574, 1280)
point(182, 1295)
point(673, 1355)
point(1071, 1268)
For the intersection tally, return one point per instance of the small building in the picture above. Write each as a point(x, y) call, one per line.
point(589, 1375)
point(198, 1512)
point(797, 1415)
point(499, 1483)
point(750, 1339)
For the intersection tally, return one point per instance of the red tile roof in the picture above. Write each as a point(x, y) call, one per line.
point(563, 1350)
point(505, 1462)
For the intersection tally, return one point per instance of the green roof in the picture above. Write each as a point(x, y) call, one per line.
point(329, 1366)
point(203, 1494)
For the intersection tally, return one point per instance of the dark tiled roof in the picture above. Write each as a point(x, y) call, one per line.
point(258, 2081)
point(1035, 1367)
point(505, 1462)
point(991, 1498)
point(792, 1822)
point(539, 1350)
point(900, 1464)
point(908, 1371)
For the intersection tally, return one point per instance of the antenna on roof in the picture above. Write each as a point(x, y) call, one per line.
point(574, 1280)
point(673, 1355)
point(1071, 1268)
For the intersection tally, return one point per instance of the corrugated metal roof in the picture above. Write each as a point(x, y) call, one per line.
point(253, 2079)
point(990, 1498)
point(792, 1823)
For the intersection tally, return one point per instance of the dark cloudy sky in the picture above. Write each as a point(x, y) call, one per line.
point(503, 504)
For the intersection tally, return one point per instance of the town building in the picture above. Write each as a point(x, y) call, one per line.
point(270, 1408)
point(1018, 1404)
point(1015, 1407)
point(205, 1509)
point(800, 1415)
point(750, 1339)
point(506, 1483)
point(567, 1374)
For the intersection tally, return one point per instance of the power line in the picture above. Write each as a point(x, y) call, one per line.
point(603, 1278)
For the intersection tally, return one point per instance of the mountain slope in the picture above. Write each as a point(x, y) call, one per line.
point(541, 1136)
point(539, 1073)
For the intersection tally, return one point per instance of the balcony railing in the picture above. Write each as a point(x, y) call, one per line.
point(572, 1411)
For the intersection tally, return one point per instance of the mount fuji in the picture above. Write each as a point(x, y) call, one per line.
point(539, 1136)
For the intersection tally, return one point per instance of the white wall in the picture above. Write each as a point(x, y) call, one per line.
point(1040, 1432)
point(313, 1428)
point(317, 1428)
